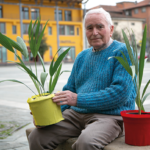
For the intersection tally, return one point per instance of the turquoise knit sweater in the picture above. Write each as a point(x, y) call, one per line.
point(102, 85)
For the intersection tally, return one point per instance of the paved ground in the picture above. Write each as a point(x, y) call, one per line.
point(13, 106)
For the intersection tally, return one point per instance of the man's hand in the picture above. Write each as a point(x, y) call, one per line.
point(65, 98)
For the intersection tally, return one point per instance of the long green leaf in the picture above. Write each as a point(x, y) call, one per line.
point(40, 39)
point(37, 30)
point(64, 71)
point(142, 56)
point(136, 53)
point(13, 80)
point(43, 77)
point(55, 79)
point(23, 46)
point(145, 88)
point(14, 44)
point(144, 98)
point(27, 70)
point(133, 71)
point(123, 63)
point(128, 47)
point(30, 29)
point(51, 65)
point(59, 60)
point(42, 62)
point(4, 41)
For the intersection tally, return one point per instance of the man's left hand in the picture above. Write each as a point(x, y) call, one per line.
point(65, 98)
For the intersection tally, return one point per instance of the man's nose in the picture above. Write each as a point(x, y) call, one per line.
point(95, 32)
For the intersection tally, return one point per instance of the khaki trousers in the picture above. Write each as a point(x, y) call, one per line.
point(94, 131)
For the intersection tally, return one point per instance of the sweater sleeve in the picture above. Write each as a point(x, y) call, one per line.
point(70, 85)
point(113, 96)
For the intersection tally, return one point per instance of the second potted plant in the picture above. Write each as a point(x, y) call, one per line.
point(136, 122)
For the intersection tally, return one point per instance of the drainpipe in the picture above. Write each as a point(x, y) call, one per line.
point(84, 28)
point(57, 19)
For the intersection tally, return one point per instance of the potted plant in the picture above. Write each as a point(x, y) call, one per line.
point(44, 111)
point(136, 122)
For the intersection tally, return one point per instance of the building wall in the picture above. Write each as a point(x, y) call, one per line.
point(144, 15)
point(11, 17)
point(134, 25)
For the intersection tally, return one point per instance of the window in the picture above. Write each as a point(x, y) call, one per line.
point(66, 30)
point(59, 15)
point(25, 13)
point(136, 11)
point(15, 54)
point(3, 54)
point(70, 55)
point(50, 52)
point(2, 28)
point(1, 13)
point(14, 31)
point(34, 13)
point(68, 15)
point(128, 13)
point(77, 31)
point(49, 30)
point(115, 23)
point(25, 28)
point(143, 9)
point(132, 23)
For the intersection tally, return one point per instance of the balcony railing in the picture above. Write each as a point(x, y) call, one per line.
point(43, 17)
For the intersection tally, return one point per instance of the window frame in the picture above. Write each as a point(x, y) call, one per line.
point(24, 13)
point(142, 9)
point(66, 30)
point(136, 11)
point(2, 55)
point(35, 13)
point(66, 17)
point(1, 11)
point(60, 15)
point(4, 27)
point(49, 30)
point(27, 26)
point(13, 29)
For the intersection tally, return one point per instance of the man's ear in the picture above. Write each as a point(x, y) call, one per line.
point(111, 30)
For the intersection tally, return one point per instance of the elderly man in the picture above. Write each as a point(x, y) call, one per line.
point(97, 91)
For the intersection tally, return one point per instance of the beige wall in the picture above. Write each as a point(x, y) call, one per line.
point(127, 24)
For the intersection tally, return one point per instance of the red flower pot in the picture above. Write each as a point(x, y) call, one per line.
point(137, 127)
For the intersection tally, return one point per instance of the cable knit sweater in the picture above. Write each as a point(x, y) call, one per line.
point(102, 85)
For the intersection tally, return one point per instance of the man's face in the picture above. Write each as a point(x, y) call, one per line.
point(98, 31)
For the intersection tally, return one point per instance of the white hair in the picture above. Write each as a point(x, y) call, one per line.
point(100, 11)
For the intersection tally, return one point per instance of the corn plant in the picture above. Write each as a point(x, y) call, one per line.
point(35, 37)
point(137, 68)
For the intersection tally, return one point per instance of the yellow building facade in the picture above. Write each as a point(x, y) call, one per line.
point(63, 30)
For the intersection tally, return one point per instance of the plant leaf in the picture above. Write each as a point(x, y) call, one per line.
point(40, 39)
point(42, 62)
point(23, 46)
point(133, 71)
point(51, 66)
point(147, 84)
point(123, 63)
point(43, 77)
point(128, 47)
point(57, 74)
point(142, 56)
point(13, 80)
point(4, 41)
point(59, 60)
point(64, 71)
point(144, 98)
